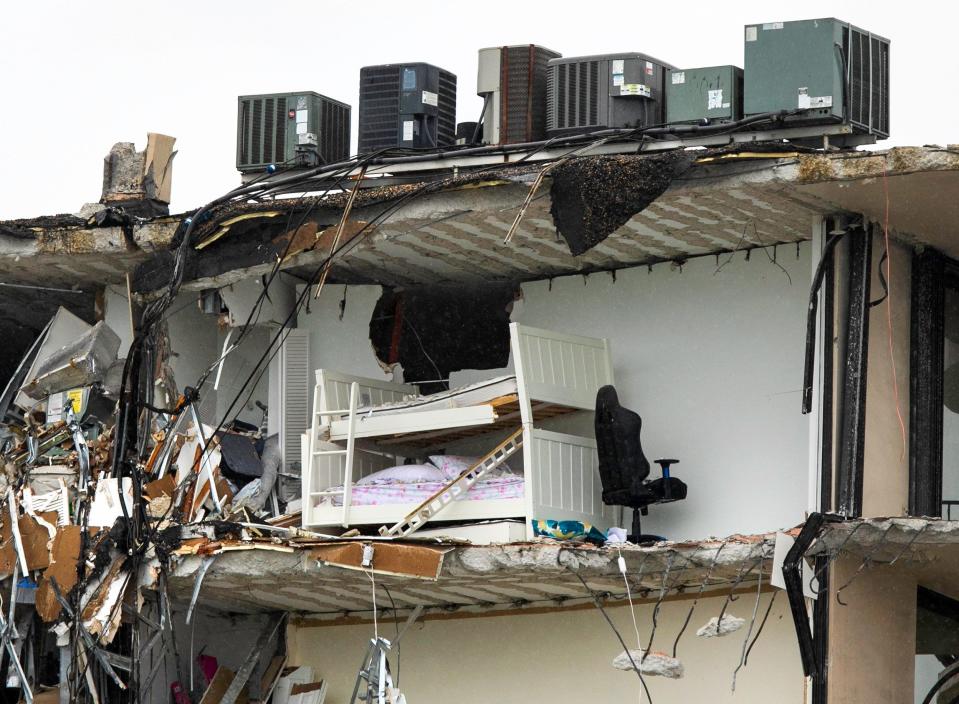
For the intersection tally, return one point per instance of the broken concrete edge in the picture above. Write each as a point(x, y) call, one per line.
point(884, 540)
point(538, 557)
point(159, 233)
point(801, 168)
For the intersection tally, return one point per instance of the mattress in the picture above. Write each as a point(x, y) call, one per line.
point(506, 486)
point(460, 397)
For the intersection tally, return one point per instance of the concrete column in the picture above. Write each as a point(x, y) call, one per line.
point(872, 640)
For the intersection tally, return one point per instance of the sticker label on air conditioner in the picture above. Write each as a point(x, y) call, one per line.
point(430, 98)
point(640, 89)
point(301, 127)
point(805, 101)
point(301, 102)
point(714, 99)
point(678, 77)
point(751, 34)
point(409, 79)
point(55, 405)
point(407, 130)
point(772, 25)
point(649, 68)
point(302, 115)
point(619, 70)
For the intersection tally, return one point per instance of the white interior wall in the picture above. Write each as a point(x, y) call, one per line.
point(343, 345)
point(712, 361)
point(194, 343)
point(563, 657)
point(237, 368)
point(116, 314)
point(194, 339)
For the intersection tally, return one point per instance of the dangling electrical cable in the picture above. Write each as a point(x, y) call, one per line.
point(629, 597)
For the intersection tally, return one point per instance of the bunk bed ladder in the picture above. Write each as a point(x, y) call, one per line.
point(317, 423)
point(415, 519)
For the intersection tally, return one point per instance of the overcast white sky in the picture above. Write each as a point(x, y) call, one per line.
point(76, 77)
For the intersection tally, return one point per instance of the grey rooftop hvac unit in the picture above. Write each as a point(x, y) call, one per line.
point(292, 129)
point(512, 82)
point(827, 68)
point(406, 105)
point(589, 93)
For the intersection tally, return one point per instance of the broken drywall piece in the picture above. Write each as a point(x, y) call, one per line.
point(292, 676)
point(715, 629)
point(655, 664)
point(106, 507)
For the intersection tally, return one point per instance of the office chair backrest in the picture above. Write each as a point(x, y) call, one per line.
point(622, 464)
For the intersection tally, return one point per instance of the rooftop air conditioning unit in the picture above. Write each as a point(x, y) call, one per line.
point(589, 93)
point(406, 105)
point(293, 129)
point(713, 94)
point(827, 68)
point(512, 82)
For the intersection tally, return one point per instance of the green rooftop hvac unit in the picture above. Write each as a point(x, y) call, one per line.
point(711, 94)
point(291, 129)
point(828, 69)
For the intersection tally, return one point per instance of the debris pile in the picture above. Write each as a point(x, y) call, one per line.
point(83, 536)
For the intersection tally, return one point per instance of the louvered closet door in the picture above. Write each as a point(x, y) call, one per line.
point(293, 408)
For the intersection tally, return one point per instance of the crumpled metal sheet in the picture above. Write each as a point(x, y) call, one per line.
point(80, 363)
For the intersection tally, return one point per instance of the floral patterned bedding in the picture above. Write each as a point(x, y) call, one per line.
point(391, 491)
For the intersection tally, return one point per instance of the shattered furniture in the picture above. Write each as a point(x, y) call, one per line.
point(623, 466)
point(362, 426)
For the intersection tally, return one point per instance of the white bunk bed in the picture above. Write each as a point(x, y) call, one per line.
point(360, 425)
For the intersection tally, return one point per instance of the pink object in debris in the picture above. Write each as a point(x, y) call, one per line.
point(179, 694)
point(208, 665)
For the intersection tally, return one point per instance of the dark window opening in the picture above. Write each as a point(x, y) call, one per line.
point(934, 362)
point(937, 644)
point(433, 332)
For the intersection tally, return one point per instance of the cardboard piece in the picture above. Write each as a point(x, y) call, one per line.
point(218, 686)
point(160, 487)
point(420, 561)
point(35, 539)
point(271, 676)
point(309, 693)
point(158, 166)
point(63, 567)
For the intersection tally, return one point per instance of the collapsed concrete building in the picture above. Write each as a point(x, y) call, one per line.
point(346, 419)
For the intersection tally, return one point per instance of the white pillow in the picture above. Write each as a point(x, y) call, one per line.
point(410, 473)
point(454, 465)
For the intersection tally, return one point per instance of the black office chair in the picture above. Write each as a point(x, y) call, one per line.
point(624, 469)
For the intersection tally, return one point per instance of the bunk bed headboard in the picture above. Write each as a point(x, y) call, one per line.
point(556, 368)
point(334, 391)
